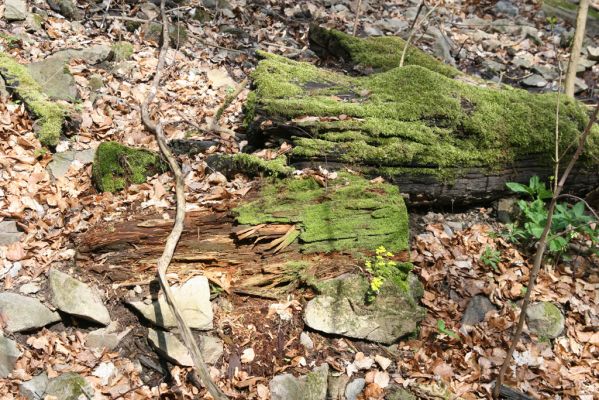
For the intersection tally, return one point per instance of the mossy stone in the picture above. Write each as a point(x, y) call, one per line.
point(121, 51)
point(116, 166)
point(250, 165)
point(51, 115)
point(69, 386)
point(351, 213)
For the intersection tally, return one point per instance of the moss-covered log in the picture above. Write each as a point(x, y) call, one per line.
point(443, 136)
point(51, 115)
point(116, 166)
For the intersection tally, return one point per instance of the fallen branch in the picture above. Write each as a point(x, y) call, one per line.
point(542, 244)
point(173, 237)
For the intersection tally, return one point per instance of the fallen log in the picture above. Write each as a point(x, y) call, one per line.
point(445, 138)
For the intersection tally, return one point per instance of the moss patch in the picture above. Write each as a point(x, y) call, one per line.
point(51, 115)
point(121, 51)
point(350, 214)
point(249, 165)
point(117, 166)
point(411, 117)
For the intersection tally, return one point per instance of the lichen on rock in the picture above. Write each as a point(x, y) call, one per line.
point(116, 166)
point(351, 213)
point(51, 115)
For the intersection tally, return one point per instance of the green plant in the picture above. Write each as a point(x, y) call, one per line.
point(382, 268)
point(569, 220)
point(490, 257)
point(443, 329)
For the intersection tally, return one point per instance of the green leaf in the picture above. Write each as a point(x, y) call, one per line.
point(518, 187)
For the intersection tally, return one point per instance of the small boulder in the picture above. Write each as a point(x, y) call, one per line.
point(354, 389)
point(9, 233)
point(545, 319)
point(312, 386)
point(22, 313)
point(106, 338)
point(15, 10)
point(76, 298)
point(507, 209)
point(66, 8)
point(69, 386)
point(477, 308)
point(341, 309)
point(62, 161)
point(35, 388)
point(534, 81)
point(193, 298)
point(506, 8)
point(173, 350)
point(9, 354)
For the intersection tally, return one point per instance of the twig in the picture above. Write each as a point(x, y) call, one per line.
point(414, 28)
point(173, 237)
point(542, 244)
point(357, 18)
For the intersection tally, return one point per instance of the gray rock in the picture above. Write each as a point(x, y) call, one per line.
point(393, 24)
point(507, 209)
point(53, 75)
point(4, 95)
point(442, 45)
point(62, 161)
point(534, 81)
point(593, 52)
point(105, 338)
point(35, 388)
point(506, 8)
point(532, 33)
point(491, 44)
point(340, 309)
point(15, 10)
point(524, 60)
point(306, 341)
point(493, 66)
point(371, 30)
point(173, 350)
point(580, 85)
point(336, 387)
point(29, 288)
point(9, 354)
point(67, 8)
point(193, 298)
point(22, 313)
point(477, 308)
point(455, 225)
point(69, 386)
point(354, 388)
point(547, 71)
point(9, 233)
point(312, 386)
point(76, 298)
point(545, 319)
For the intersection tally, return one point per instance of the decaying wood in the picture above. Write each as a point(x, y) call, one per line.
point(173, 237)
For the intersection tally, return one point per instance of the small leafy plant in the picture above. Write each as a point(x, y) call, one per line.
point(569, 221)
point(382, 268)
point(490, 257)
point(443, 329)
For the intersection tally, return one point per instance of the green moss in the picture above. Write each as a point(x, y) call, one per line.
point(50, 114)
point(116, 166)
point(413, 117)
point(121, 51)
point(379, 53)
point(350, 214)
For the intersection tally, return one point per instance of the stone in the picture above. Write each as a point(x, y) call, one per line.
point(9, 233)
point(106, 338)
point(29, 288)
point(312, 386)
point(534, 81)
point(567, 11)
point(477, 308)
point(371, 30)
point(393, 24)
point(395, 392)
point(22, 313)
point(442, 45)
point(492, 44)
point(593, 53)
point(4, 95)
point(9, 354)
point(506, 8)
point(336, 387)
point(62, 161)
point(69, 386)
point(524, 60)
point(340, 309)
point(35, 388)
point(545, 319)
point(547, 71)
point(493, 66)
point(193, 298)
point(66, 8)
point(306, 341)
point(76, 298)
point(580, 85)
point(354, 389)
point(173, 350)
point(15, 10)
point(53, 74)
point(507, 209)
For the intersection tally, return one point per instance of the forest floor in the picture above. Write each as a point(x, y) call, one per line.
point(262, 336)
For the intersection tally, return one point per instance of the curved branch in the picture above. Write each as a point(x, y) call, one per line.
point(173, 237)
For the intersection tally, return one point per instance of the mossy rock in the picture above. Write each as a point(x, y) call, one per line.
point(50, 115)
point(116, 166)
point(69, 386)
point(350, 214)
point(250, 165)
point(121, 51)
